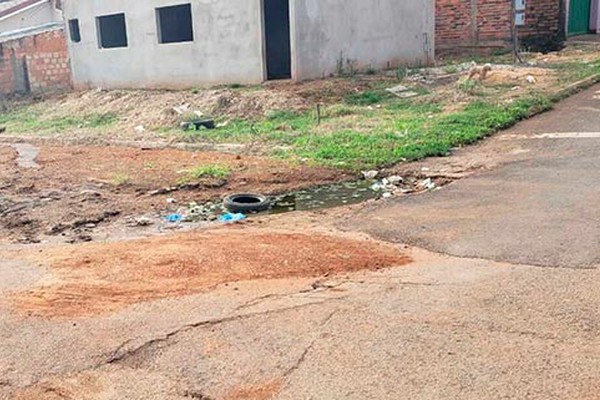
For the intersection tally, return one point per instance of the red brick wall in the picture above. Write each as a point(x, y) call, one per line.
point(542, 18)
point(452, 22)
point(46, 58)
point(455, 20)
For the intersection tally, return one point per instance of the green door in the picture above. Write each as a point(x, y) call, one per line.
point(579, 17)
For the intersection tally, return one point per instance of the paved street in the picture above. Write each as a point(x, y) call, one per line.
point(540, 208)
point(500, 299)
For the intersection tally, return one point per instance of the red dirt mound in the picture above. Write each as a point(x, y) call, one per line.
point(100, 278)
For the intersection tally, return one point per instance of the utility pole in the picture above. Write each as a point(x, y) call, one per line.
point(518, 19)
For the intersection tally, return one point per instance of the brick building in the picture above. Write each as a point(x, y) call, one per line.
point(476, 24)
point(33, 57)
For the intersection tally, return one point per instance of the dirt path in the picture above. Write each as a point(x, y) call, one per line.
point(100, 278)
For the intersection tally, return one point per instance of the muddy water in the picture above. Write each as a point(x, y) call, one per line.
point(325, 197)
point(27, 155)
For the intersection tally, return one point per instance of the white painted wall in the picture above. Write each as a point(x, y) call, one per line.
point(227, 45)
point(369, 33)
point(39, 14)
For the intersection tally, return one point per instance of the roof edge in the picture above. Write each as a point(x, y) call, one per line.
point(20, 7)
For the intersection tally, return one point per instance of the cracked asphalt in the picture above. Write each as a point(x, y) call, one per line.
point(499, 302)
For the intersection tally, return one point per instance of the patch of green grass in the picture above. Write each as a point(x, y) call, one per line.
point(367, 98)
point(214, 171)
point(120, 179)
point(279, 126)
point(416, 138)
point(281, 115)
point(469, 86)
point(576, 71)
point(451, 69)
point(32, 120)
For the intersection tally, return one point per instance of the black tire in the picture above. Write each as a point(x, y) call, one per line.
point(246, 202)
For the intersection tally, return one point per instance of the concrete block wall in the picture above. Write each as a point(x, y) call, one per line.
point(227, 46)
point(487, 23)
point(37, 64)
point(378, 34)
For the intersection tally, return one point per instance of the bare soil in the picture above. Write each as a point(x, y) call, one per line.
point(77, 188)
point(98, 278)
point(154, 109)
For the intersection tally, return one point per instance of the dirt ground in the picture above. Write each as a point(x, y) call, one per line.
point(75, 189)
point(98, 278)
point(155, 109)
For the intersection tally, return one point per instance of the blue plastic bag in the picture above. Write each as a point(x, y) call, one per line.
point(230, 217)
point(174, 218)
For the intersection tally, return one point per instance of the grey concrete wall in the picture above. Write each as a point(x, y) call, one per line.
point(38, 15)
point(365, 33)
point(595, 16)
point(227, 45)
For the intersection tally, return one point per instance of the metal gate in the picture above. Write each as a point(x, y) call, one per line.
point(579, 17)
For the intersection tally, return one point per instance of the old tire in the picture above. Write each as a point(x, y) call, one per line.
point(246, 202)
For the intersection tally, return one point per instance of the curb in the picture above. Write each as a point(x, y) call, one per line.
point(576, 87)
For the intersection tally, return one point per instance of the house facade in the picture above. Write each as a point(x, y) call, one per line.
point(464, 24)
point(184, 43)
point(33, 49)
point(21, 14)
point(583, 16)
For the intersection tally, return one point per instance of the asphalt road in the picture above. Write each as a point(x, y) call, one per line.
point(540, 209)
point(479, 316)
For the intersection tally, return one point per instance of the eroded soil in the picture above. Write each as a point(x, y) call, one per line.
point(98, 278)
point(77, 188)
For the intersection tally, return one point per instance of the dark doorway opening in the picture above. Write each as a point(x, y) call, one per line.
point(277, 39)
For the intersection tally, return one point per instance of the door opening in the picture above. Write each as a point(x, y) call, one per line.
point(277, 39)
point(579, 17)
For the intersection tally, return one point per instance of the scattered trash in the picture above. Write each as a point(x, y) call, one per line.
point(171, 200)
point(231, 217)
point(406, 95)
point(198, 124)
point(140, 129)
point(174, 218)
point(141, 221)
point(395, 179)
point(531, 79)
point(402, 91)
point(370, 174)
point(428, 184)
point(182, 109)
point(397, 89)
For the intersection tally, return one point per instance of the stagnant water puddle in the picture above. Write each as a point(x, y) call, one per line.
point(321, 197)
point(329, 196)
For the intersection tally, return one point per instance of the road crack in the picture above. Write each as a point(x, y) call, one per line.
point(121, 353)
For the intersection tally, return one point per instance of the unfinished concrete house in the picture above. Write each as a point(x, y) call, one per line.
point(33, 49)
point(178, 43)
